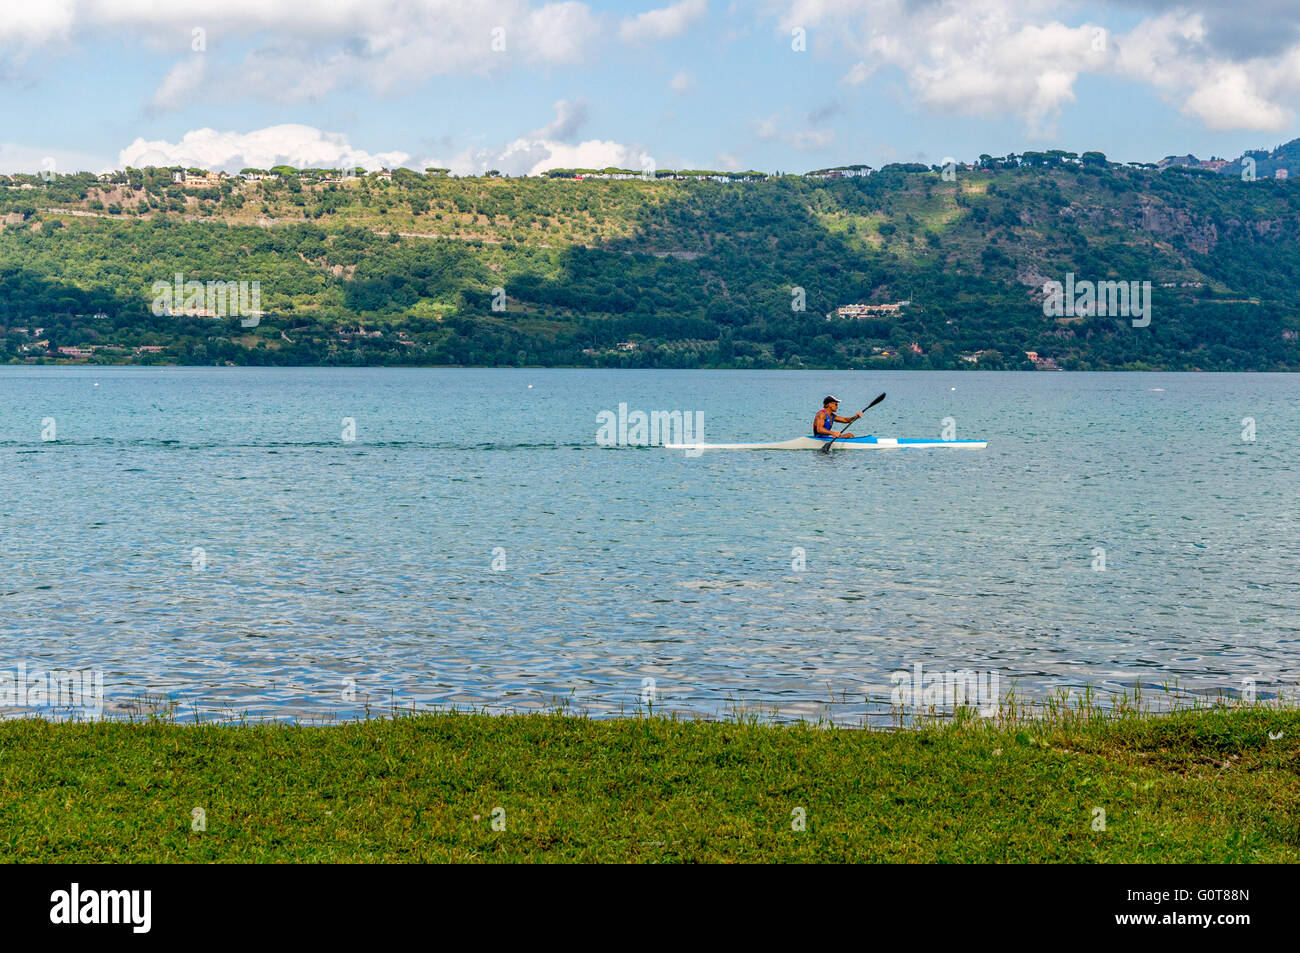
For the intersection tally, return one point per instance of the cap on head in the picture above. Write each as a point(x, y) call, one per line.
point(830, 400)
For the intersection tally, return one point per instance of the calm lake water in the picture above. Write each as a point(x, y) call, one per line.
point(211, 536)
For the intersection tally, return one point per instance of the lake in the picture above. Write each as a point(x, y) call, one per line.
point(323, 544)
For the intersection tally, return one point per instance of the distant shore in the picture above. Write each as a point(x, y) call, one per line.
point(883, 367)
point(1048, 263)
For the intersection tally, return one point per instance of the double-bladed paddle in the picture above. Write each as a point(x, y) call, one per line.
point(826, 447)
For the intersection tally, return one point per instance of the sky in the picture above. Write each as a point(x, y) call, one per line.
point(523, 86)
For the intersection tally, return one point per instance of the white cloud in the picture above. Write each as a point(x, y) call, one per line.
point(767, 129)
point(559, 32)
point(808, 141)
point(377, 26)
point(1229, 99)
point(1171, 53)
point(859, 73)
point(1018, 57)
point(545, 148)
point(183, 79)
point(534, 156)
point(967, 57)
point(663, 23)
point(592, 154)
point(682, 83)
point(36, 22)
point(290, 144)
point(776, 128)
point(1005, 67)
point(308, 50)
point(570, 116)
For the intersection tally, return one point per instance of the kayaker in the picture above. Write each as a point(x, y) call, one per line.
point(826, 418)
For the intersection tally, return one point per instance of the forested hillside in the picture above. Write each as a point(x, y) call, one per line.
point(427, 269)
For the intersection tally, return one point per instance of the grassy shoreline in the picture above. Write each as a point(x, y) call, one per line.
point(1208, 786)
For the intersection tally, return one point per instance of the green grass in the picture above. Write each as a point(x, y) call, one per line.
point(1194, 787)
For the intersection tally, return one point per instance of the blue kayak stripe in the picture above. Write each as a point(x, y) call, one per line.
point(902, 441)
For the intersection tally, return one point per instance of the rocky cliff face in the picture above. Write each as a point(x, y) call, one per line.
point(1201, 236)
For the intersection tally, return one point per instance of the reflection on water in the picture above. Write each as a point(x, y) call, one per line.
point(209, 537)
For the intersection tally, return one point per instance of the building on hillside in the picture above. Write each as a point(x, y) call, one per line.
point(863, 312)
point(205, 180)
point(189, 313)
point(348, 334)
point(840, 172)
point(1042, 363)
point(1190, 161)
point(668, 175)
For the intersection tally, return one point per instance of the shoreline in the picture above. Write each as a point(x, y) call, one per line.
point(588, 367)
point(1206, 786)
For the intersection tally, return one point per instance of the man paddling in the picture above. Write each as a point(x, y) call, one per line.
point(826, 419)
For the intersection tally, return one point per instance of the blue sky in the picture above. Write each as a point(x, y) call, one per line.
point(696, 83)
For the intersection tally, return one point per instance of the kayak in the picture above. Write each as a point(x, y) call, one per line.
point(847, 443)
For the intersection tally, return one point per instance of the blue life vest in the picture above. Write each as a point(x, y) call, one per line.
point(828, 421)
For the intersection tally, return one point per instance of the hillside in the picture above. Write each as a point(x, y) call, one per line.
point(664, 273)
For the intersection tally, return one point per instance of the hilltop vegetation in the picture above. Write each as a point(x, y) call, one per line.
point(421, 268)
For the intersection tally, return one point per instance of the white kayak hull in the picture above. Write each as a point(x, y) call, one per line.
point(849, 443)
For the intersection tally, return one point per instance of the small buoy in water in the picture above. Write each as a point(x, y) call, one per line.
point(530, 386)
point(96, 383)
point(952, 388)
